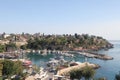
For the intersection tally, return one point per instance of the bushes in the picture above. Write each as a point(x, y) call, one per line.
point(66, 42)
point(86, 72)
point(76, 74)
point(11, 68)
point(2, 48)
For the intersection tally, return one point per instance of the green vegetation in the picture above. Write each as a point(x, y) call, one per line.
point(11, 68)
point(53, 42)
point(68, 42)
point(8, 47)
point(1, 78)
point(7, 67)
point(76, 74)
point(1, 67)
point(86, 72)
point(2, 48)
point(100, 79)
point(24, 47)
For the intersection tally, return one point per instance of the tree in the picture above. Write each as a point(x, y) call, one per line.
point(72, 75)
point(2, 48)
point(11, 47)
point(7, 68)
point(88, 72)
point(1, 67)
point(24, 47)
point(18, 68)
point(66, 42)
point(75, 74)
point(12, 68)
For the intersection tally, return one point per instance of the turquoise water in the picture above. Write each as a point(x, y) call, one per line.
point(108, 68)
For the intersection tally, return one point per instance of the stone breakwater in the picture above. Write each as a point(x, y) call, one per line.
point(96, 55)
point(65, 71)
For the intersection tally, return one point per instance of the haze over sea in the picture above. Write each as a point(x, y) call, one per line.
point(108, 68)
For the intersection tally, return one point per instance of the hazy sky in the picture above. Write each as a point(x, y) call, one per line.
point(95, 17)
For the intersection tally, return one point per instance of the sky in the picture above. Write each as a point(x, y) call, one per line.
point(94, 17)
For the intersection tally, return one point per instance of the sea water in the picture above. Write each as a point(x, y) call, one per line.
point(108, 68)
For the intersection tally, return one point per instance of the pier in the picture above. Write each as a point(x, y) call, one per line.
point(96, 55)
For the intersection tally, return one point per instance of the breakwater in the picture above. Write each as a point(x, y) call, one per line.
point(95, 55)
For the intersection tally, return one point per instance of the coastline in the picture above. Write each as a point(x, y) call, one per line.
point(90, 53)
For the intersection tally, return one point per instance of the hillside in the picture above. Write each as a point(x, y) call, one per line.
point(68, 42)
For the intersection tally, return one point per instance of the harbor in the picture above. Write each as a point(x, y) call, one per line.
point(15, 54)
point(41, 60)
point(56, 66)
point(106, 66)
point(72, 53)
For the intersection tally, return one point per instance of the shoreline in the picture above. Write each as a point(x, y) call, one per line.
point(85, 52)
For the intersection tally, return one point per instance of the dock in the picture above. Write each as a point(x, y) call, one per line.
point(96, 55)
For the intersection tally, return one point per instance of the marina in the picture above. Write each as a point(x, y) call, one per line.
point(108, 68)
point(50, 60)
point(59, 40)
